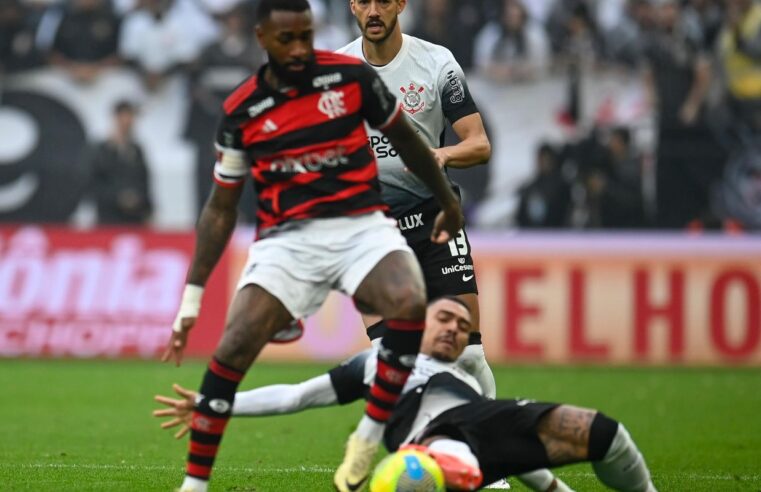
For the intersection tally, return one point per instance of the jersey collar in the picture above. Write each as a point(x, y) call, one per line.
point(395, 62)
point(262, 81)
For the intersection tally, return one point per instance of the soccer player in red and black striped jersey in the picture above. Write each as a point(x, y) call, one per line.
point(298, 128)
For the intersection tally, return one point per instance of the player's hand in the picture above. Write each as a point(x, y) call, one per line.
point(190, 306)
point(448, 223)
point(181, 410)
point(178, 340)
point(441, 156)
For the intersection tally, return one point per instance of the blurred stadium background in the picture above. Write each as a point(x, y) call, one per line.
point(615, 225)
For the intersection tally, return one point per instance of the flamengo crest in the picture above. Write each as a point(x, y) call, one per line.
point(332, 104)
point(412, 101)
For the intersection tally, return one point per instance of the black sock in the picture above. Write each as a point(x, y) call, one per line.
point(210, 417)
point(377, 330)
point(601, 434)
point(396, 358)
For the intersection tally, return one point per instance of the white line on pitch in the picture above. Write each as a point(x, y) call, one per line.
point(295, 469)
point(323, 469)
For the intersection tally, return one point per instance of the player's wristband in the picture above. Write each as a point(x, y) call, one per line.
point(190, 305)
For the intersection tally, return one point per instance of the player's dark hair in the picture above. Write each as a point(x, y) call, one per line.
point(266, 7)
point(450, 298)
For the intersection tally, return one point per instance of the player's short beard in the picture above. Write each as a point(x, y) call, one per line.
point(289, 77)
point(389, 30)
point(442, 356)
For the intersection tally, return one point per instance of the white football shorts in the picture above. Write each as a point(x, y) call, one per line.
point(301, 264)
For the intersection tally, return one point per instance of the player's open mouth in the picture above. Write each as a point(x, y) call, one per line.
point(296, 67)
point(375, 26)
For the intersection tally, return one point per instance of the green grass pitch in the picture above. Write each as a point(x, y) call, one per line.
point(86, 426)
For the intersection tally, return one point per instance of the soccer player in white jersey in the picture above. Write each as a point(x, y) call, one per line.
point(440, 396)
point(430, 87)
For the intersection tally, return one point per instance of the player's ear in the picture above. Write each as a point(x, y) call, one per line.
point(401, 5)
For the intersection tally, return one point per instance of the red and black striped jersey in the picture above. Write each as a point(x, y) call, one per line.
point(307, 148)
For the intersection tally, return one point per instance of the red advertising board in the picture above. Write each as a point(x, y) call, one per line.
point(653, 299)
point(629, 299)
point(624, 299)
point(106, 293)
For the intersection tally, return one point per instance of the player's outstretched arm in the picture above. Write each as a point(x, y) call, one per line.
point(419, 159)
point(276, 399)
point(280, 399)
point(215, 226)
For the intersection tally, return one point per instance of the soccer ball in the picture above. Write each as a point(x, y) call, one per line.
point(407, 471)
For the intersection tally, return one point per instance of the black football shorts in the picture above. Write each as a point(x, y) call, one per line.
point(501, 433)
point(447, 268)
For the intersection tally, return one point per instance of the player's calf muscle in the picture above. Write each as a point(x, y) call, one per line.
point(564, 431)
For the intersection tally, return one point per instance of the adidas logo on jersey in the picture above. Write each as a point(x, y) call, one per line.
point(269, 126)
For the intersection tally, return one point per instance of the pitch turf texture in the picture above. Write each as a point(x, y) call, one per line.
point(86, 426)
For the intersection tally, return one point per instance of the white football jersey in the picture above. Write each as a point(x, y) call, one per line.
point(425, 367)
point(430, 87)
point(434, 401)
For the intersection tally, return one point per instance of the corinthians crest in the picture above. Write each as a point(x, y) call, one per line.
point(412, 102)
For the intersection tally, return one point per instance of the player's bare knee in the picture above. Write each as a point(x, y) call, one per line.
point(256, 324)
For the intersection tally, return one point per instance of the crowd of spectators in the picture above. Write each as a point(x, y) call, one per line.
point(699, 59)
point(155, 37)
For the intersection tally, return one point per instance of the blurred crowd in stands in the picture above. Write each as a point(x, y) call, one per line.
point(699, 60)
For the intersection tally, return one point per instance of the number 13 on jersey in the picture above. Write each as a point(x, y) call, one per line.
point(458, 246)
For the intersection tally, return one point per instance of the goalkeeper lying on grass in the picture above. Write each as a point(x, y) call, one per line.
point(474, 440)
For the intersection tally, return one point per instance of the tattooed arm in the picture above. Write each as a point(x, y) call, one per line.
point(564, 432)
point(215, 226)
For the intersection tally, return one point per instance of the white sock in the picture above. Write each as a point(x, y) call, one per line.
point(623, 466)
point(193, 484)
point(455, 448)
point(538, 480)
point(473, 360)
point(561, 486)
point(542, 480)
point(370, 430)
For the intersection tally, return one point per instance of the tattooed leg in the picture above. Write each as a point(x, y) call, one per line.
point(564, 432)
point(572, 434)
